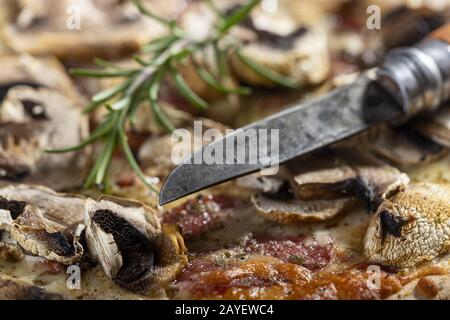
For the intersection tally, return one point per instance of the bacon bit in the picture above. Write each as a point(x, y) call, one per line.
point(49, 267)
point(199, 215)
point(308, 254)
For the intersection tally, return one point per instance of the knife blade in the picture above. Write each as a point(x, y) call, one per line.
point(303, 128)
point(409, 81)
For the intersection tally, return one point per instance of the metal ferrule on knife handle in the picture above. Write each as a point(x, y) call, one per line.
point(419, 77)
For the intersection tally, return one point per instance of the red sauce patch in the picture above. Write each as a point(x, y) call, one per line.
point(199, 215)
point(299, 250)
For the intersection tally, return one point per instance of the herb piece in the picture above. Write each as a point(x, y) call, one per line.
point(157, 60)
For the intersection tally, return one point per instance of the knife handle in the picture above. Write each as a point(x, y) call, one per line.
point(419, 77)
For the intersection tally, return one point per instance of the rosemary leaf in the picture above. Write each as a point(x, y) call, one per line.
point(140, 60)
point(92, 106)
point(265, 72)
point(159, 44)
point(214, 8)
point(132, 161)
point(122, 103)
point(106, 64)
point(102, 73)
point(99, 132)
point(212, 82)
point(221, 61)
point(153, 95)
point(238, 16)
point(147, 13)
point(105, 160)
point(186, 91)
point(110, 93)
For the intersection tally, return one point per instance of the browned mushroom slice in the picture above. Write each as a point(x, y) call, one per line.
point(132, 247)
point(436, 127)
point(82, 29)
point(403, 146)
point(342, 172)
point(13, 289)
point(45, 223)
point(412, 227)
point(294, 210)
point(289, 39)
point(32, 121)
point(326, 183)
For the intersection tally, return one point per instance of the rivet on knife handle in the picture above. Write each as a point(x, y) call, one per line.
point(419, 77)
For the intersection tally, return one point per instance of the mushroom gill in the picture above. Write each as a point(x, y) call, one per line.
point(43, 222)
point(130, 244)
point(322, 185)
point(411, 227)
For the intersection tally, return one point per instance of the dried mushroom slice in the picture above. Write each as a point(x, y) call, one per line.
point(294, 210)
point(34, 120)
point(411, 227)
point(83, 29)
point(324, 184)
point(403, 146)
point(436, 127)
point(13, 289)
point(132, 247)
point(46, 223)
point(343, 172)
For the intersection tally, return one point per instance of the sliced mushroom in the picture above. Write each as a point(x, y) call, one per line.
point(326, 183)
point(344, 171)
point(283, 39)
point(436, 127)
point(412, 227)
point(285, 43)
point(294, 210)
point(32, 121)
point(45, 223)
point(83, 29)
point(13, 289)
point(403, 146)
point(132, 247)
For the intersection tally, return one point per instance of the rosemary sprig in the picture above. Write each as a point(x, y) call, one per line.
point(159, 60)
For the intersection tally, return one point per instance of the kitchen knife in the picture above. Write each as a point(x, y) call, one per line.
point(410, 81)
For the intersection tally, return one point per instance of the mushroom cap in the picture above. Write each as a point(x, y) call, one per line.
point(45, 223)
point(130, 244)
point(411, 227)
